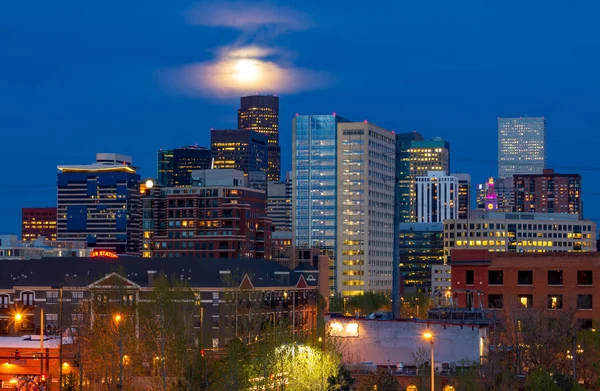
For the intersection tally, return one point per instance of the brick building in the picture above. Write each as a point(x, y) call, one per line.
point(548, 192)
point(209, 221)
point(36, 222)
point(552, 281)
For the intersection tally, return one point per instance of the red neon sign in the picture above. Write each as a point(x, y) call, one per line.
point(103, 254)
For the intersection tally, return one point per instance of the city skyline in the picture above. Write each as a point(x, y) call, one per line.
point(53, 109)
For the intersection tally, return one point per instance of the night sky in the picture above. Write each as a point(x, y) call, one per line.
point(80, 77)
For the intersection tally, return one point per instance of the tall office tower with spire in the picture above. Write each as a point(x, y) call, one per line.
point(405, 180)
point(521, 146)
point(344, 176)
point(261, 114)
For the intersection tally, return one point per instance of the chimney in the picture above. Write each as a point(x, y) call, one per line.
point(151, 274)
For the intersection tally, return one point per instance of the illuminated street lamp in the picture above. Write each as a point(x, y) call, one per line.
point(429, 336)
point(117, 319)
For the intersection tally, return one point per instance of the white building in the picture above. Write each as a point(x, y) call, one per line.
point(279, 204)
point(436, 197)
point(521, 146)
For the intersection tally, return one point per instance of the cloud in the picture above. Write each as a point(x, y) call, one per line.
point(251, 64)
point(248, 16)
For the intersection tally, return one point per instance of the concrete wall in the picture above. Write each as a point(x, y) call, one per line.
point(379, 341)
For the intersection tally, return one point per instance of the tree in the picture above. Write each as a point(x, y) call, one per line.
point(541, 380)
point(342, 381)
point(381, 380)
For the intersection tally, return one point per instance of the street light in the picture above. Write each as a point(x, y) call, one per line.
point(428, 335)
point(117, 319)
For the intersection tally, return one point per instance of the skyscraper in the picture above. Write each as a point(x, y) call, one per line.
point(242, 150)
point(548, 193)
point(99, 204)
point(279, 204)
point(503, 190)
point(343, 199)
point(261, 114)
point(174, 167)
point(436, 197)
point(521, 146)
point(464, 195)
point(405, 180)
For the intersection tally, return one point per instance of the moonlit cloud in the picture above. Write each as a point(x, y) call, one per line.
point(250, 64)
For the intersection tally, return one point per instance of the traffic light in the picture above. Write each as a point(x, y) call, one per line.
point(43, 378)
point(202, 352)
point(17, 354)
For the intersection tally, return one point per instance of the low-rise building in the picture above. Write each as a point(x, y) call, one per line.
point(36, 222)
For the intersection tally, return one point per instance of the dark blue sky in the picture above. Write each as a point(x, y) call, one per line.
point(81, 77)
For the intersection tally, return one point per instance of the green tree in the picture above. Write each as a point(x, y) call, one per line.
point(381, 380)
point(342, 381)
point(541, 380)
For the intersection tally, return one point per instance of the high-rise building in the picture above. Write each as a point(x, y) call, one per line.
point(421, 247)
point(279, 204)
point(464, 195)
point(243, 150)
point(502, 189)
point(99, 204)
point(175, 166)
point(36, 222)
point(521, 146)
point(217, 217)
point(343, 199)
point(403, 169)
point(436, 197)
point(425, 156)
point(261, 114)
point(548, 193)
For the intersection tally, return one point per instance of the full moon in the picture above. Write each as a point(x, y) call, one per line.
point(246, 70)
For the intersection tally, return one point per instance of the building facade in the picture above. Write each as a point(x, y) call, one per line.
point(425, 156)
point(99, 204)
point(502, 188)
point(436, 197)
point(220, 219)
point(521, 146)
point(279, 204)
point(239, 150)
point(36, 222)
point(260, 113)
point(548, 193)
point(520, 232)
point(365, 198)
point(421, 248)
point(550, 281)
point(175, 166)
point(404, 173)
point(464, 195)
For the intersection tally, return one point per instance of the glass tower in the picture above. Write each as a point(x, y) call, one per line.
point(521, 146)
point(314, 190)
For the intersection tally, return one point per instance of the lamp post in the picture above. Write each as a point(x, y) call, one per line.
point(117, 319)
point(429, 336)
point(60, 335)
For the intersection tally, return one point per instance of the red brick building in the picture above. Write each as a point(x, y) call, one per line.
point(552, 281)
point(548, 193)
point(36, 222)
point(225, 222)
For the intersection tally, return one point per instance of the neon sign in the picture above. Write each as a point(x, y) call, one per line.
point(103, 254)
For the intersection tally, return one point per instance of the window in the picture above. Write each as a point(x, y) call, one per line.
point(495, 301)
point(77, 297)
point(128, 299)
point(525, 277)
point(27, 298)
point(526, 301)
point(555, 277)
point(470, 279)
point(584, 302)
point(495, 277)
point(51, 319)
point(51, 297)
point(4, 301)
point(584, 277)
point(215, 343)
point(555, 302)
point(76, 318)
point(215, 321)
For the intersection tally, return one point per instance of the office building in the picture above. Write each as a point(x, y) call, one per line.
point(521, 146)
point(260, 113)
point(548, 192)
point(217, 218)
point(520, 232)
point(403, 172)
point(243, 150)
point(464, 195)
point(279, 204)
point(421, 247)
point(343, 199)
point(500, 190)
point(436, 197)
point(175, 166)
point(99, 204)
point(425, 156)
point(553, 281)
point(36, 222)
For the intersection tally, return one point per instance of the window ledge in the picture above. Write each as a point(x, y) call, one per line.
point(495, 284)
point(585, 285)
point(559, 285)
point(524, 284)
point(585, 309)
